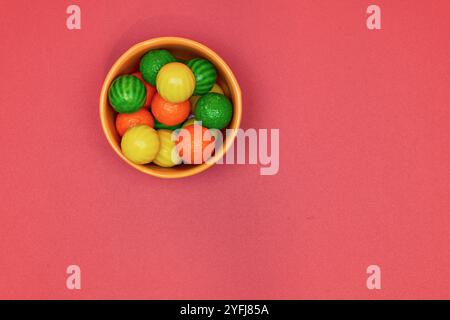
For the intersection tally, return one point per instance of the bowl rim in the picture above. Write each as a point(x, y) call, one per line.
point(229, 78)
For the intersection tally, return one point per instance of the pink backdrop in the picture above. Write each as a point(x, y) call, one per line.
point(364, 170)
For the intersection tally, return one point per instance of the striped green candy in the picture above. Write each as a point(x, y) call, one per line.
point(205, 75)
point(127, 94)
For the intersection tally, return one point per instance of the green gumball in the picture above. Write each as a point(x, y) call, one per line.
point(214, 110)
point(152, 62)
point(205, 75)
point(127, 94)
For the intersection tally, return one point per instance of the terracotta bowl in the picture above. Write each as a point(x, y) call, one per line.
point(183, 49)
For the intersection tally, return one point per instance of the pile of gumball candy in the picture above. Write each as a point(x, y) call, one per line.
point(165, 95)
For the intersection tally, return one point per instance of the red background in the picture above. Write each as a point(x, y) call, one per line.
point(364, 166)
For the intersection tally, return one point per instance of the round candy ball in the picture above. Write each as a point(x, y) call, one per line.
point(140, 144)
point(194, 99)
point(124, 121)
point(170, 113)
point(127, 94)
point(152, 62)
point(205, 75)
point(214, 110)
point(175, 82)
point(167, 156)
point(150, 89)
point(195, 144)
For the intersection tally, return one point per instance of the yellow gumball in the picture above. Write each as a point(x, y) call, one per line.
point(175, 82)
point(140, 144)
point(167, 155)
point(194, 99)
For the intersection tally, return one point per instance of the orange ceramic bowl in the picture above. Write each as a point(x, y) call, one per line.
point(183, 49)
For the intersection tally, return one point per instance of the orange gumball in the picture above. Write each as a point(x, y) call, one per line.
point(124, 121)
point(195, 144)
point(150, 89)
point(169, 113)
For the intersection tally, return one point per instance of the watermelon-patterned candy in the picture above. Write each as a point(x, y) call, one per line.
point(127, 94)
point(152, 62)
point(205, 75)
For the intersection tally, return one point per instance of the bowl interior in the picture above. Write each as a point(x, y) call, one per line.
point(182, 49)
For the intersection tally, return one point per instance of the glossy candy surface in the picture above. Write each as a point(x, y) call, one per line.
point(168, 113)
point(127, 94)
point(140, 144)
point(124, 121)
point(152, 62)
point(175, 82)
point(194, 99)
point(205, 75)
point(214, 110)
point(195, 144)
point(150, 89)
point(167, 155)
